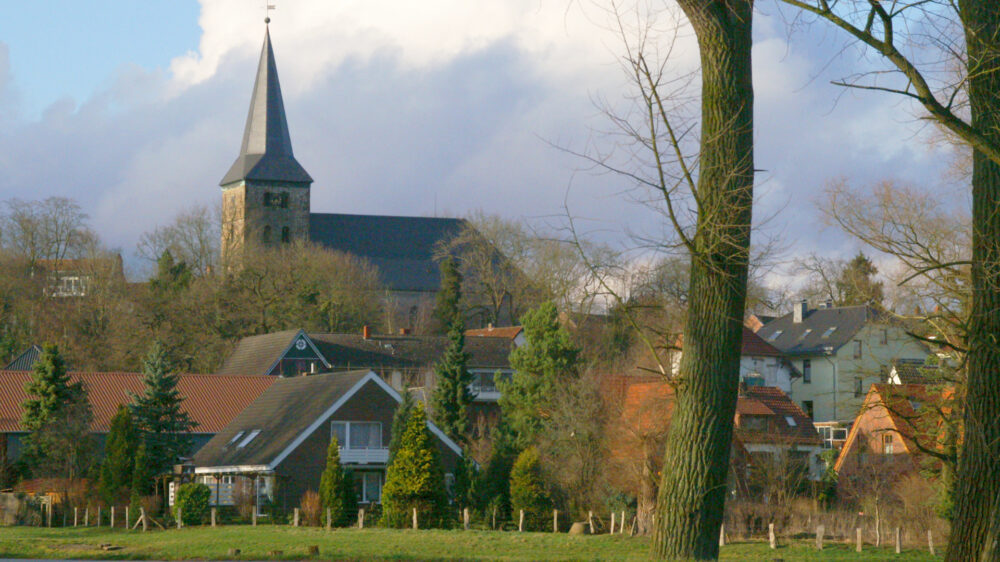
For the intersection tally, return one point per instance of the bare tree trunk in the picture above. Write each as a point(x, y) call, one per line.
point(978, 474)
point(693, 487)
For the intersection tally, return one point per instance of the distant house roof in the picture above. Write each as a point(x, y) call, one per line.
point(256, 355)
point(111, 265)
point(26, 360)
point(286, 412)
point(811, 335)
point(787, 422)
point(401, 247)
point(909, 371)
point(751, 345)
point(508, 332)
point(211, 400)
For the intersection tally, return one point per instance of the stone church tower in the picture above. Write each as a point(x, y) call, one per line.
point(265, 194)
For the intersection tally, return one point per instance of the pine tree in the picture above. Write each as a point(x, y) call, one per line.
point(48, 390)
point(142, 477)
point(857, 285)
point(447, 308)
point(165, 427)
point(119, 457)
point(451, 398)
point(399, 421)
point(548, 360)
point(332, 484)
point(415, 479)
point(527, 490)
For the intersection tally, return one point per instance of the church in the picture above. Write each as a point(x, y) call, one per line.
point(266, 201)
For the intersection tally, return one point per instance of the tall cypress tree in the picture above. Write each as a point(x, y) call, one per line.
point(447, 308)
point(119, 457)
point(415, 478)
point(452, 397)
point(165, 427)
point(48, 390)
point(399, 420)
point(332, 484)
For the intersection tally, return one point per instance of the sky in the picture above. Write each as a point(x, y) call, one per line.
point(442, 107)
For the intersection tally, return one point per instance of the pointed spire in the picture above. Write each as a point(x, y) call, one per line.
point(266, 154)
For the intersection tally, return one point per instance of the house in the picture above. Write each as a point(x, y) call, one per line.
point(75, 277)
point(277, 446)
point(761, 364)
point(910, 371)
point(26, 360)
point(404, 361)
point(513, 333)
point(839, 351)
point(899, 429)
point(212, 401)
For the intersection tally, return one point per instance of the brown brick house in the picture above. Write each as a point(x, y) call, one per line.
point(279, 442)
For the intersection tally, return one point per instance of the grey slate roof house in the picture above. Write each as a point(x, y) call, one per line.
point(279, 442)
point(25, 361)
point(266, 200)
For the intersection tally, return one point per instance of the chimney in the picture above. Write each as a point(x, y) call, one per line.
point(799, 311)
point(366, 332)
point(404, 331)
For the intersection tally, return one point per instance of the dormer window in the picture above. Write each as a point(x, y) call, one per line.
point(235, 438)
point(250, 437)
point(805, 333)
point(829, 331)
point(790, 421)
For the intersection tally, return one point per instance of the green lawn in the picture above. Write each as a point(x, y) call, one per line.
point(378, 544)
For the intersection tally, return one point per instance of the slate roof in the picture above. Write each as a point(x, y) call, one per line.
point(281, 413)
point(266, 152)
point(917, 372)
point(211, 400)
point(25, 361)
point(255, 355)
point(353, 351)
point(401, 247)
point(794, 339)
point(770, 401)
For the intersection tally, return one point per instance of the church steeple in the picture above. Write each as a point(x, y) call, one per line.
point(266, 153)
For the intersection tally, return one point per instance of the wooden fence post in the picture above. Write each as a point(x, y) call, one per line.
point(415, 519)
point(899, 544)
point(144, 519)
point(254, 516)
point(590, 521)
point(612, 523)
point(621, 524)
point(465, 518)
point(180, 519)
point(722, 535)
point(74, 516)
point(857, 547)
point(126, 518)
point(86, 516)
point(930, 541)
point(329, 519)
point(213, 517)
point(99, 509)
point(494, 518)
point(48, 513)
point(520, 522)
point(112, 522)
point(295, 517)
point(770, 536)
point(555, 520)
point(819, 537)
point(361, 518)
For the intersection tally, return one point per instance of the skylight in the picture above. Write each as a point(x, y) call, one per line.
point(829, 331)
point(805, 333)
point(235, 438)
point(775, 335)
point(248, 438)
point(790, 421)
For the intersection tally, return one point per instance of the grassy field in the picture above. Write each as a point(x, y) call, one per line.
point(379, 544)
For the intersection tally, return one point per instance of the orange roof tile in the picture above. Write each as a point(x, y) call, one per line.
point(212, 401)
point(509, 332)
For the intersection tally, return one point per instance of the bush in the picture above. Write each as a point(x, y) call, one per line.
point(415, 479)
point(527, 491)
point(311, 509)
point(193, 501)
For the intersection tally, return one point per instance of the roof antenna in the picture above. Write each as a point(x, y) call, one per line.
point(267, 12)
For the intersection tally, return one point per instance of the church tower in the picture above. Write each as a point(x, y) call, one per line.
point(265, 194)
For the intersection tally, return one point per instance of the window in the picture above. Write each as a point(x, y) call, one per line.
point(887, 443)
point(368, 486)
point(753, 379)
point(753, 423)
point(775, 335)
point(265, 235)
point(859, 388)
point(807, 375)
point(829, 331)
point(805, 333)
point(790, 421)
point(883, 337)
point(250, 437)
point(857, 349)
point(807, 407)
point(283, 201)
point(357, 435)
point(235, 438)
point(286, 235)
point(268, 198)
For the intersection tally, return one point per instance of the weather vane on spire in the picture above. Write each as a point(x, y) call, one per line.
point(267, 11)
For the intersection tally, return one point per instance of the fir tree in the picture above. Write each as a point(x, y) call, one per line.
point(332, 484)
point(548, 359)
point(415, 479)
point(399, 420)
point(527, 490)
point(48, 390)
point(447, 308)
point(451, 398)
point(142, 477)
point(119, 457)
point(165, 427)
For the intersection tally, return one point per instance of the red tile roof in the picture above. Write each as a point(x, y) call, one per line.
point(781, 408)
point(509, 332)
point(211, 400)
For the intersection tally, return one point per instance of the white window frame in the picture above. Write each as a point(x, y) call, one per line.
point(364, 486)
point(347, 434)
point(250, 437)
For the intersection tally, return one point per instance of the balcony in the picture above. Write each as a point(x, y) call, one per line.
point(364, 456)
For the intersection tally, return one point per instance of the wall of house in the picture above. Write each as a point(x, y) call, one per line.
point(835, 378)
point(864, 456)
point(775, 371)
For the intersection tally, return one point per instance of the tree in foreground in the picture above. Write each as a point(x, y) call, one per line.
point(400, 419)
point(165, 427)
point(119, 457)
point(415, 479)
point(547, 360)
point(334, 487)
point(527, 491)
point(452, 397)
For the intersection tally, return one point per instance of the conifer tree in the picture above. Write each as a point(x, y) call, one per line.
point(399, 420)
point(415, 479)
point(548, 360)
point(119, 457)
point(48, 390)
point(527, 490)
point(332, 484)
point(142, 477)
point(452, 397)
point(164, 426)
point(447, 307)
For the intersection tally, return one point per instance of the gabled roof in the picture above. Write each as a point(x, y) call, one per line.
point(26, 360)
point(284, 415)
point(909, 371)
point(402, 248)
point(751, 345)
point(807, 336)
point(211, 400)
point(257, 355)
point(266, 152)
point(778, 407)
point(403, 352)
point(509, 332)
